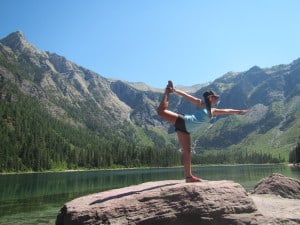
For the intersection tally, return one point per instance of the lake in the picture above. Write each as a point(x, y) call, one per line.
point(36, 198)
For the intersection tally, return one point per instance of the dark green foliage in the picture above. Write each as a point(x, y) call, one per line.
point(294, 156)
point(31, 139)
point(222, 157)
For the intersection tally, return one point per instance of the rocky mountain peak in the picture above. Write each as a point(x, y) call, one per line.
point(296, 63)
point(17, 42)
point(255, 69)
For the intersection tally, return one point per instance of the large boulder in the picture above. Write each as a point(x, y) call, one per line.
point(277, 184)
point(164, 203)
point(176, 203)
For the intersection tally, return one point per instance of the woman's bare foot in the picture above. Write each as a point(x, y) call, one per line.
point(170, 87)
point(192, 179)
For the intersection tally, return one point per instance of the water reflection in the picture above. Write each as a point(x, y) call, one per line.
point(247, 175)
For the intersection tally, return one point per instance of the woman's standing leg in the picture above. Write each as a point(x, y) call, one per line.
point(185, 142)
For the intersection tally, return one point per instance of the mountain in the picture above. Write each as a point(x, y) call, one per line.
point(55, 113)
point(60, 113)
point(272, 125)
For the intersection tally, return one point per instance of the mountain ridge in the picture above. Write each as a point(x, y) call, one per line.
point(126, 111)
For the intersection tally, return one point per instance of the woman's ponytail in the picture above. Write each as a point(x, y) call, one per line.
point(207, 103)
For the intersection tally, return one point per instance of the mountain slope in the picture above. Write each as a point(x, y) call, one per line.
point(111, 122)
point(61, 84)
point(273, 97)
point(80, 111)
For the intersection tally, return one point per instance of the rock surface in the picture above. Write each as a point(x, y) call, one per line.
point(163, 202)
point(277, 210)
point(178, 203)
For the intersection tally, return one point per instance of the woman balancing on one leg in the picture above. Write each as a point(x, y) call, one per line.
point(184, 124)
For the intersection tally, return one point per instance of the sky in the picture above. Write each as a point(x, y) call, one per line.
point(153, 41)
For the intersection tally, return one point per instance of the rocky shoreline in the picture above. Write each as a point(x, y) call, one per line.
point(275, 200)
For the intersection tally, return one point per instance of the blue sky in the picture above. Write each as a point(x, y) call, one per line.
point(152, 41)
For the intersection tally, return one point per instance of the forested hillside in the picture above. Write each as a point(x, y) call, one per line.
point(55, 114)
point(31, 139)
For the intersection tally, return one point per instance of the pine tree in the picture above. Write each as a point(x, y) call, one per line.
point(297, 153)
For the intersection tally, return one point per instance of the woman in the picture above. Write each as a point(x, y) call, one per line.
point(184, 124)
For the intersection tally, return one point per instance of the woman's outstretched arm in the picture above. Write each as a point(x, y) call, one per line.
point(228, 111)
point(197, 101)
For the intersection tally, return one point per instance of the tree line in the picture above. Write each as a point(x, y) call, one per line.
point(32, 140)
point(294, 156)
point(237, 157)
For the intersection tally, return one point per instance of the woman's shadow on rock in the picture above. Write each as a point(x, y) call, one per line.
point(129, 193)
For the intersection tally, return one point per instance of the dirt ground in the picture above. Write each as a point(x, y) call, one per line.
point(277, 207)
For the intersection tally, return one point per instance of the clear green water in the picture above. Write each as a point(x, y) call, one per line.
point(35, 199)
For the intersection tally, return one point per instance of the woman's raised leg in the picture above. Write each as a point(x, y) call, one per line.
point(162, 109)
